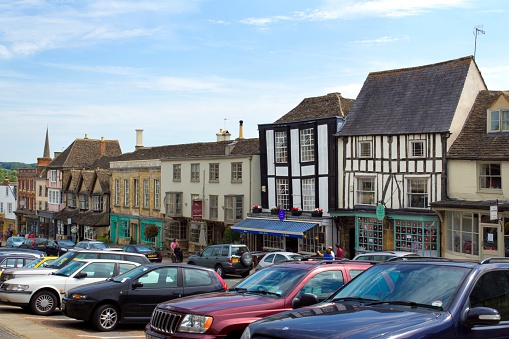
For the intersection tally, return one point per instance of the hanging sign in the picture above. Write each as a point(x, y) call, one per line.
point(493, 212)
point(380, 212)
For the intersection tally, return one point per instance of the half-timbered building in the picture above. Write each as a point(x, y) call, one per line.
point(393, 150)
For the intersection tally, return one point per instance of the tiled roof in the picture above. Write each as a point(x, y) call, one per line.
point(88, 178)
point(326, 106)
point(410, 100)
point(88, 218)
point(82, 153)
point(103, 176)
point(473, 142)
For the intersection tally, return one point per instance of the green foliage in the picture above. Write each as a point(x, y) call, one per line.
point(104, 238)
point(151, 231)
point(10, 174)
point(229, 237)
point(9, 170)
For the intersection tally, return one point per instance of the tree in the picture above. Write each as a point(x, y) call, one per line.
point(151, 231)
point(229, 236)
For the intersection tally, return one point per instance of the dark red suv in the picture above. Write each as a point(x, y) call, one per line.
point(271, 290)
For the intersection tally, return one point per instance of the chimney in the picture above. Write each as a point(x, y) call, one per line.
point(103, 146)
point(223, 135)
point(241, 129)
point(139, 139)
point(86, 136)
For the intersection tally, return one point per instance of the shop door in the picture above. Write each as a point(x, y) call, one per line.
point(491, 238)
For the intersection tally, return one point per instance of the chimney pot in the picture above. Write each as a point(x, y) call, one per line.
point(139, 138)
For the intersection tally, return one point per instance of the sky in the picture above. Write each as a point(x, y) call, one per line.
point(182, 70)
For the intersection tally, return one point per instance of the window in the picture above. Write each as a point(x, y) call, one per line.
point(136, 193)
point(40, 190)
point(274, 242)
point(417, 149)
point(498, 121)
point(281, 147)
point(71, 200)
point(462, 232)
point(213, 172)
point(194, 232)
point(370, 235)
point(9, 207)
point(1, 207)
point(417, 193)
point(125, 230)
point(97, 203)
point(236, 172)
point(492, 290)
point(7, 191)
point(117, 192)
point(174, 203)
point(160, 278)
point(307, 145)
point(53, 174)
point(365, 149)
point(145, 193)
point(213, 205)
point(490, 176)
point(176, 230)
point(308, 194)
point(176, 172)
point(233, 207)
point(324, 284)
point(366, 191)
point(54, 196)
point(83, 202)
point(195, 172)
point(282, 195)
point(126, 192)
point(194, 278)
point(157, 194)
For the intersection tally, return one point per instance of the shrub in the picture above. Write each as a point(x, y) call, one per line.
point(151, 231)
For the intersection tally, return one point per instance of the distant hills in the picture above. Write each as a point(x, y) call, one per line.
point(8, 169)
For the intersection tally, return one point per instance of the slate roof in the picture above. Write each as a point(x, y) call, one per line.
point(326, 106)
point(473, 143)
point(82, 153)
point(194, 150)
point(410, 100)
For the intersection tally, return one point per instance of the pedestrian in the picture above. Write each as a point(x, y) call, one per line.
point(327, 255)
point(340, 254)
point(1, 237)
point(178, 253)
point(173, 245)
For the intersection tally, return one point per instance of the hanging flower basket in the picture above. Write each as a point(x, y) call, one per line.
point(274, 210)
point(317, 212)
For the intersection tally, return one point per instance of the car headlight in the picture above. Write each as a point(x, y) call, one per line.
point(195, 323)
point(246, 334)
point(78, 296)
point(15, 287)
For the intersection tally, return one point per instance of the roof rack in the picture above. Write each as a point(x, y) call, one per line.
point(493, 259)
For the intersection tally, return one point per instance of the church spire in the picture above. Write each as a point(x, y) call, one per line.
point(47, 153)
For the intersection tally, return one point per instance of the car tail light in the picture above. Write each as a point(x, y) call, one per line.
point(33, 243)
point(230, 260)
point(221, 280)
point(159, 255)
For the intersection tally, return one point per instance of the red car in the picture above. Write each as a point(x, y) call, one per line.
point(280, 287)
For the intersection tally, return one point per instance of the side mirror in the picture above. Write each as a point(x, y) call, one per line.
point(80, 275)
point(136, 284)
point(482, 316)
point(306, 299)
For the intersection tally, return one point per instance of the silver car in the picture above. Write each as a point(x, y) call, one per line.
point(225, 259)
point(13, 242)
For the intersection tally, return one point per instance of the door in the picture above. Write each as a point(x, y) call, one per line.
point(491, 241)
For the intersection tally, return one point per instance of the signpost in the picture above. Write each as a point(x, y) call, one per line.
point(282, 214)
point(380, 212)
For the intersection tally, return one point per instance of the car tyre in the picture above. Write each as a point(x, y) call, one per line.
point(246, 259)
point(220, 270)
point(105, 318)
point(43, 303)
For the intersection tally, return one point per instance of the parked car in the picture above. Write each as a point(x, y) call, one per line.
point(132, 296)
point(14, 241)
point(279, 287)
point(40, 262)
point(423, 298)
point(224, 259)
point(58, 247)
point(11, 260)
point(91, 245)
point(43, 296)
point(22, 251)
point(384, 256)
point(68, 258)
point(275, 257)
point(151, 253)
point(34, 244)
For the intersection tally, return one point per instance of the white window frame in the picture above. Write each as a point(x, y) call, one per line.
point(233, 207)
point(117, 192)
point(491, 180)
point(157, 194)
point(174, 203)
point(213, 206)
point(283, 193)
point(214, 172)
point(136, 184)
point(97, 203)
point(281, 147)
point(365, 148)
point(146, 192)
point(501, 121)
point(414, 151)
point(410, 194)
point(126, 192)
point(236, 172)
point(54, 196)
point(177, 172)
point(83, 198)
point(308, 194)
point(307, 144)
point(362, 193)
point(195, 172)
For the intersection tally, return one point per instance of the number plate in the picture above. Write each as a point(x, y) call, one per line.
point(235, 260)
point(151, 255)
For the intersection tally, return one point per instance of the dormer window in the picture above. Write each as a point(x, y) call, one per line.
point(498, 120)
point(417, 148)
point(365, 149)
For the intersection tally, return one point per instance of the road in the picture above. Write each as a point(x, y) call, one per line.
point(15, 324)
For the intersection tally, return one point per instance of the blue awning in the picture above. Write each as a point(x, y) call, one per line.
point(282, 228)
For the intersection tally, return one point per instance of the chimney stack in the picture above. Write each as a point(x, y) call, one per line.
point(139, 139)
point(241, 129)
point(103, 146)
point(223, 135)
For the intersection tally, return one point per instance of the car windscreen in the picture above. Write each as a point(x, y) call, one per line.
point(130, 274)
point(62, 260)
point(70, 269)
point(32, 263)
point(65, 243)
point(97, 245)
point(239, 250)
point(425, 284)
point(144, 249)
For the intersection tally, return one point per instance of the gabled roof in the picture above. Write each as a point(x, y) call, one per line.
point(194, 150)
point(87, 180)
point(102, 181)
point(82, 153)
point(474, 142)
point(410, 100)
point(326, 106)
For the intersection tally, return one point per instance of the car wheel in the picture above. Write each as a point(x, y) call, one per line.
point(43, 303)
point(220, 270)
point(105, 318)
point(246, 259)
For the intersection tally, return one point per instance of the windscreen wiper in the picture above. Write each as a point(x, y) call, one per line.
point(407, 303)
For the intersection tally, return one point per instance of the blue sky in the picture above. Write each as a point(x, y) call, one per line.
point(181, 70)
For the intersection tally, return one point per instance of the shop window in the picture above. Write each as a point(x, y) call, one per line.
point(274, 242)
point(370, 235)
point(420, 237)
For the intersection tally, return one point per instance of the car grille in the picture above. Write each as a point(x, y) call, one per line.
point(164, 321)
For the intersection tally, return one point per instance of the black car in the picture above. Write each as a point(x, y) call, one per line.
point(416, 298)
point(58, 247)
point(151, 253)
point(34, 244)
point(131, 297)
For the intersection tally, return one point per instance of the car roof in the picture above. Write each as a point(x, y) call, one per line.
point(395, 253)
point(77, 249)
point(107, 260)
point(281, 252)
point(312, 264)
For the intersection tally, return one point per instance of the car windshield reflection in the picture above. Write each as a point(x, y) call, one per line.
point(130, 274)
point(68, 270)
